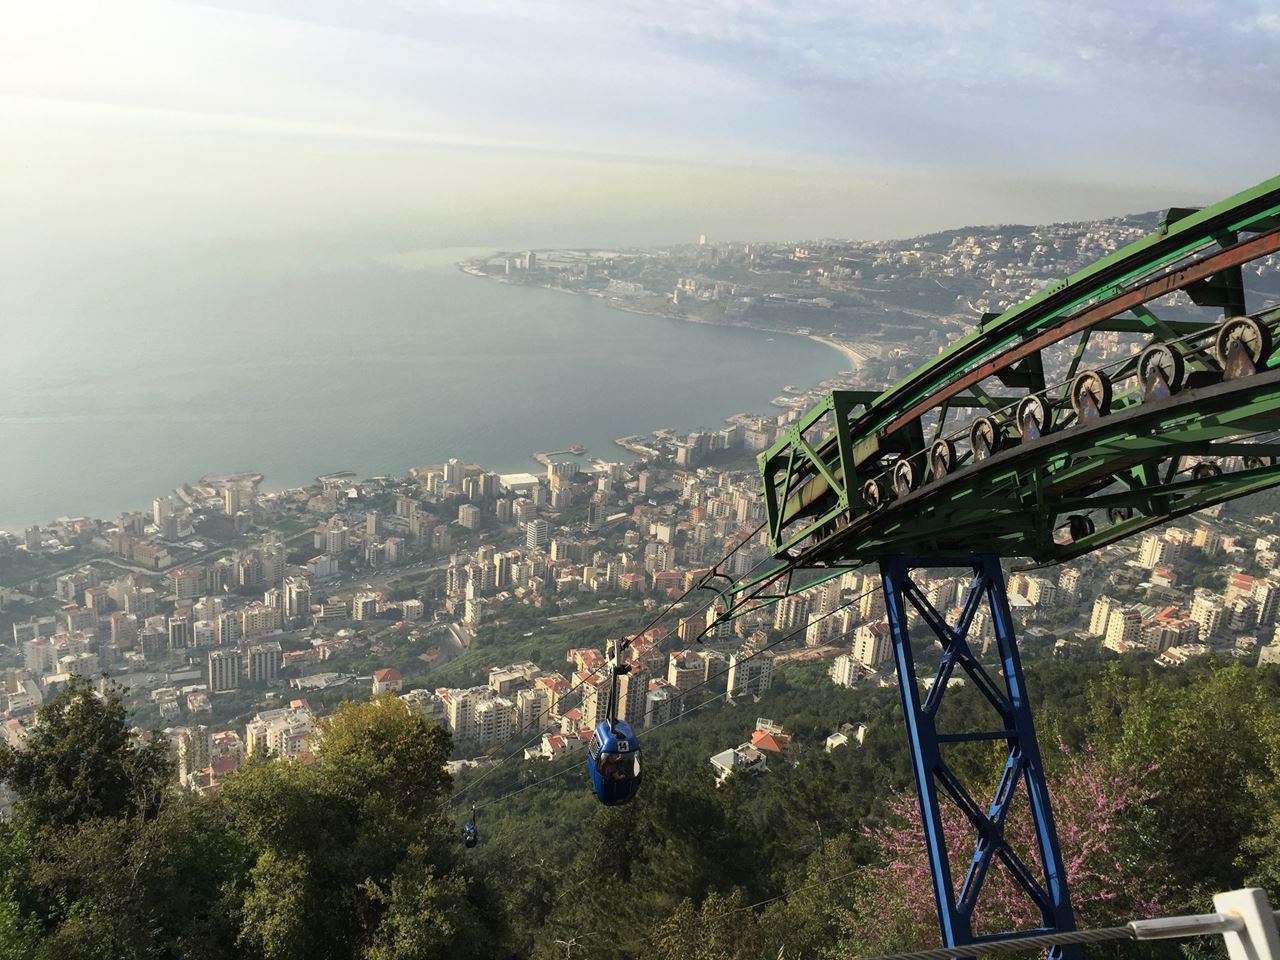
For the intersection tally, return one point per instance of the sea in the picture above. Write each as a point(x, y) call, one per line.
point(115, 390)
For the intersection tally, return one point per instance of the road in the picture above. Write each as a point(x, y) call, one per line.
point(136, 568)
point(355, 582)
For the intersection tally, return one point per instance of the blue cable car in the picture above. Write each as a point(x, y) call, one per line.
point(470, 832)
point(613, 756)
point(613, 760)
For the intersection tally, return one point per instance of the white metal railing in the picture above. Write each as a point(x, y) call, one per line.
point(1244, 919)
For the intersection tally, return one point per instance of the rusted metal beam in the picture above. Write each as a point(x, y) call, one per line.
point(1241, 253)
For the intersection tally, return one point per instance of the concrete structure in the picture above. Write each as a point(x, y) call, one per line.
point(284, 733)
point(749, 675)
point(225, 670)
point(871, 644)
point(741, 759)
point(386, 681)
point(262, 661)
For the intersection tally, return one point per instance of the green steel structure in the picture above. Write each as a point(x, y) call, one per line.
point(1011, 445)
point(1178, 426)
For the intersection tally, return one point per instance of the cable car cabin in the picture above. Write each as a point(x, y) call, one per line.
point(470, 832)
point(613, 759)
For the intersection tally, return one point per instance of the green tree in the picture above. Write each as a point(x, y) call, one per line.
point(722, 928)
point(81, 761)
point(817, 904)
point(338, 843)
point(19, 928)
point(431, 916)
point(164, 887)
point(1202, 742)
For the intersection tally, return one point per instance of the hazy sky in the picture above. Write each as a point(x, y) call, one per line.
point(130, 124)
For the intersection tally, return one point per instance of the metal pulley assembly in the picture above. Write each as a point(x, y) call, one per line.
point(1091, 395)
point(905, 477)
point(1162, 371)
point(873, 494)
point(1243, 346)
point(1079, 526)
point(1034, 417)
point(1119, 514)
point(1205, 471)
point(986, 437)
point(942, 458)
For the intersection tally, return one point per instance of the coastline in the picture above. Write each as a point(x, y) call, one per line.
point(855, 358)
point(843, 348)
point(128, 489)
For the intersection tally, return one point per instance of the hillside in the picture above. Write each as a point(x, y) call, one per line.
point(358, 853)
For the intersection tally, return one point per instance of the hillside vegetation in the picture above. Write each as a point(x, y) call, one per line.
point(1166, 790)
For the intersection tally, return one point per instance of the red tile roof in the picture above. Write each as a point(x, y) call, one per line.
point(775, 743)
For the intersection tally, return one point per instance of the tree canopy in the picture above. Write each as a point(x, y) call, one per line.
point(1164, 785)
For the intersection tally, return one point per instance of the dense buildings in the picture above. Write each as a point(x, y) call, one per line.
point(224, 595)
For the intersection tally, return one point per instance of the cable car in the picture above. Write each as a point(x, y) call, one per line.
point(613, 760)
point(470, 832)
point(613, 756)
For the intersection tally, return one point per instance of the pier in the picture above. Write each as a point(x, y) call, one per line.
point(545, 457)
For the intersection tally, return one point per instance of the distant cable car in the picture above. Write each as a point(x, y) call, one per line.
point(470, 832)
point(613, 757)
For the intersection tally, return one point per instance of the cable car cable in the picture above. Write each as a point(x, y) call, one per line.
point(709, 700)
point(577, 760)
point(582, 679)
point(700, 583)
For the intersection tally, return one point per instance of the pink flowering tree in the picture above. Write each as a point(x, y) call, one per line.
point(894, 907)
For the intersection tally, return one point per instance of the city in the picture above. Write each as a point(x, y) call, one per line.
point(700, 480)
point(235, 617)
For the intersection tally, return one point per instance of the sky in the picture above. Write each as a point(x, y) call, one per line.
point(139, 126)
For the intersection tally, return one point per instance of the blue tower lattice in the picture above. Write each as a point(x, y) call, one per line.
point(1046, 886)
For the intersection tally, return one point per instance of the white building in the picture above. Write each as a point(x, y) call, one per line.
point(741, 759)
point(537, 534)
point(749, 674)
point(1207, 610)
point(871, 646)
point(284, 733)
point(1103, 607)
point(845, 671)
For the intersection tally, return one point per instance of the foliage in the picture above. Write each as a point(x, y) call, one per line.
point(720, 929)
point(334, 840)
point(1166, 788)
point(1092, 805)
point(81, 761)
point(1208, 738)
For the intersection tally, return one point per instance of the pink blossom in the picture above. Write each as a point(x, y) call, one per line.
point(1091, 806)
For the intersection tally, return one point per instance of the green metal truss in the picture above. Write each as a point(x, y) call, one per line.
point(1134, 464)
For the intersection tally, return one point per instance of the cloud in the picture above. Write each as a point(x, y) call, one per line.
point(861, 80)
point(1141, 94)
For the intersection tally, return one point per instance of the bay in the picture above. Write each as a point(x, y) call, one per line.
point(114, 391)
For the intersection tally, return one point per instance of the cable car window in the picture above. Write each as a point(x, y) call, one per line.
point(616, 766)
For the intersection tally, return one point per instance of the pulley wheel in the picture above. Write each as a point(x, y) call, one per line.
point(1205, 471)
point(905, 477)
point(873, 494)
point(942, 458)
point(1091, 395)
point(1243, 346)
point(1035, 417)
point(986, 437)
point(1162, 371)
point(1079, 526)
point(1119, 514)
point(1257, 463)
